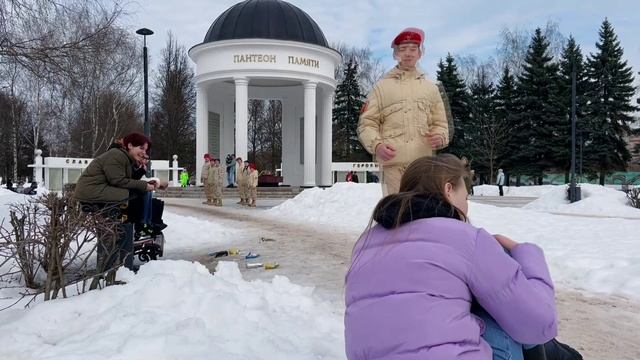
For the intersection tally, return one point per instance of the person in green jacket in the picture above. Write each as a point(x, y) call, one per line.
point(108, 181)
point(108, 178)
point(184, 179)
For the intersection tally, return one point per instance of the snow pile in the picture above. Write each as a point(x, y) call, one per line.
point(598, 255)
point(596, 200)
point(178, 310)
point(343, 205)
point(9, 197)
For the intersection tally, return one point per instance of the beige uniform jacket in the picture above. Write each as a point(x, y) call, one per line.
point(205, 172)
point(401, 109)
point(215, 175)
point(239, 173)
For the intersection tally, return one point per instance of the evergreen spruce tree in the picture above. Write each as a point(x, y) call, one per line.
point(346, 114)
point(541, 110)
point(486, 138)
point(506, 110)
point(458, 96)
point(571, 58)
point(609, 111)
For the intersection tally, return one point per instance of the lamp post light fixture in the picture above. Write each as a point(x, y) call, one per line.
point(147, 128)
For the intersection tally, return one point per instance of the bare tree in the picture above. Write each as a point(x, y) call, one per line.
point(30, 30)
point(272, 154)
point(102, 93)
point(370, 68)
point(490, 133)
point(256, 128)
point(173, 117)
point(66, 78)
point(469, 66)
point(514, 44)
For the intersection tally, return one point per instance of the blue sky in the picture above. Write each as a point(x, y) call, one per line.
point(469, 27)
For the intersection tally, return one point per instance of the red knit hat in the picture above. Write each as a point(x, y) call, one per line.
point(409, 35)
point(207, 156)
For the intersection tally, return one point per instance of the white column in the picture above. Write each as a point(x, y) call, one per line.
point(176, 180)
point(46, 174)
point(38, 169)
point(242, 116)
point(202, 128)
point(310, 133)
point(326, 144)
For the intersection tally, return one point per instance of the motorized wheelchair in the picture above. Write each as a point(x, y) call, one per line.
point(146, 238)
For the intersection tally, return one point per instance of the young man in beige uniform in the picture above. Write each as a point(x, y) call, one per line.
point(216, 176)
point(252, 184)
point(204, 178)
point(246, 191)
point(240, 180)
point(404, 116)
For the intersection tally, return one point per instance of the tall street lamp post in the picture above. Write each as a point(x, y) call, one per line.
point(147, 128)
point(574, 191)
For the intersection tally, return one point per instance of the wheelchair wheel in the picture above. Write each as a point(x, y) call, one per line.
point(144, 257)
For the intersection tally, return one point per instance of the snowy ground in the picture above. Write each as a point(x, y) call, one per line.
point(177, 310)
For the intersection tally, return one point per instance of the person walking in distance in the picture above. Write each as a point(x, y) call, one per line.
point(500, 181)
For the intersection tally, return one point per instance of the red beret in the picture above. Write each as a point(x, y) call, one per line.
point(207, 156)
point(409, 35)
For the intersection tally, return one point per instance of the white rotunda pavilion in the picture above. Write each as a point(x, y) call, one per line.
point(267, 49)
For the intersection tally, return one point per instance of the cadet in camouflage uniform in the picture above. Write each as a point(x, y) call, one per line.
point(252, 184)
point(204, 178)
point(216, 178)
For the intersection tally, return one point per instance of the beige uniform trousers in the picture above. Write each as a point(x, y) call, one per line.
point(246, 191)
point(240, 183)
point(391, 175)
point(217, 191)
point(208, 189)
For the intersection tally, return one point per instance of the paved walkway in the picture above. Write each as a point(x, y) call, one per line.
point(502, 201)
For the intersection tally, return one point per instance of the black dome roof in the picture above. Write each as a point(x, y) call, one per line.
point(266, 19)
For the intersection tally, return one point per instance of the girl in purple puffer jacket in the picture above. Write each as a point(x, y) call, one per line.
point(414, 276)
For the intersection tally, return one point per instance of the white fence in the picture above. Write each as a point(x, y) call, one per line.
point(54, 172)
